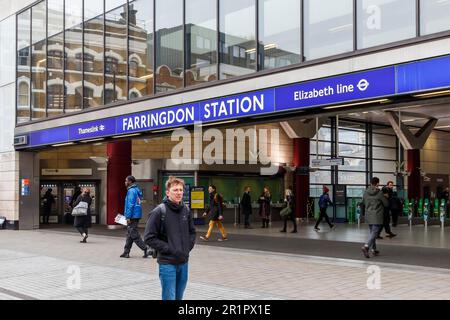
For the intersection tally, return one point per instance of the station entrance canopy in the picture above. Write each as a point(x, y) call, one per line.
point(381, 83)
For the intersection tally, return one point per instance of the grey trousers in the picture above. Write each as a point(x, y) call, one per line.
point(133, 236)
point(374, 231)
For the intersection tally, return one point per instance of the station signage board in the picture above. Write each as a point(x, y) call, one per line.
point(348, 88)
point(327, 162)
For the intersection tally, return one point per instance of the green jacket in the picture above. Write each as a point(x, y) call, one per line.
point(374, 203)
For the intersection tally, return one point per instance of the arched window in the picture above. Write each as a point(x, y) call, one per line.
point(111, 65)
point(134, 68)
point(88, 62)
point(78, 61)
point(55, 59)
point(55, 96)
point(24, 94)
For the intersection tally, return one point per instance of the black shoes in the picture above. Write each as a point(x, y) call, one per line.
point(365, 251)
point(391, 235)
point(375, 252)
point(283, 230)
point(380, 237)
point(294, 231)
point(125, 255)
point(84, 238)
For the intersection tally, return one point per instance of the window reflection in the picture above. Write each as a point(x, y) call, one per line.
point(201, 41)
point(140, 48)
point(328, 27)
point(23, 67)
point(237, 38)
point(434, 16)
point(38, 62)
point(116, 54)
point(169, 45)
point(73, 72)
point(384, 21)
point(279, 39)
point(55, 69)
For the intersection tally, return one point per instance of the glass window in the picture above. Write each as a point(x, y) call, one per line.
point(201, 41)
point(55, 65)
point(324, 147)
point(328, 27)
point(38, 61)
point(74, 56)
point(384, 153)
point(23, 67)
point(140, 42)
point(116, 54)
point(384, 177)
point(324, 134)
point(169, 45)
point(237, 34)
point(353, 164)
point(352, 150)
point(74, 13)
point(345, 177)
point(352, 136)
point(384, 140)
point(93, 62)
point(112, 4)
point(320, 176)
point(383, 166)
point(384, 21)
point(55, 17)
point(279, 39)
point(92, 8)
point(434, 16)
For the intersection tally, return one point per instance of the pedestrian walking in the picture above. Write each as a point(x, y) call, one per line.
point(246, 205)
point(215, 210)
point(324, 201)
point(265, 200)
point(133, 213)
point(290, 203)
point(388, 190)
point(83, 223)
point(170, 231)
point(374, 202)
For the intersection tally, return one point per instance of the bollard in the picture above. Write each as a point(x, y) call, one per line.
point(442, 213)
point(425, 213)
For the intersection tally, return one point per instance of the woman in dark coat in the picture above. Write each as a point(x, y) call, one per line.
point(264, 207)
point(290, 202)
point(82, 223)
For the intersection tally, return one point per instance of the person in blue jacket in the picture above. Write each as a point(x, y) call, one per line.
point(133, 213)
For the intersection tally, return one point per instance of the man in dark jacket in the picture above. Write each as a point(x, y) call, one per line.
point(324, 200)
point(246, 205)
point(133, 213)
point(374, 202)
point(48, 200)
point(170, 231)
point(389, 190)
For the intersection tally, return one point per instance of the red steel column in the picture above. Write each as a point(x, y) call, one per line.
point(414, 179)
point(301, 159)
point(119, 167)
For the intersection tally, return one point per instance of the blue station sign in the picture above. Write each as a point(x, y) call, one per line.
point(349, 88)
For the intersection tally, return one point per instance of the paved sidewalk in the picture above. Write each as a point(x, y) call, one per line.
point(44, 265)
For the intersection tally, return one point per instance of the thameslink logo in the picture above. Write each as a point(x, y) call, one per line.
point(222, 149)
point(91, 129)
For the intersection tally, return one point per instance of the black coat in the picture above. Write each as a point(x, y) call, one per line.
point(49, 199)
point(178, 237)
point(246, 203)
point(83, 221)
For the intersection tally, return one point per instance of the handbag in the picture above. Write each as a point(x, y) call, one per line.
point(286, 211)
point(80, 210)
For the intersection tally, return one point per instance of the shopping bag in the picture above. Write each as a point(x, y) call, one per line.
point(285, 211)
point(80, 210)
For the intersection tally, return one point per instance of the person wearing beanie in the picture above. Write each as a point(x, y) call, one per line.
point(324, 200)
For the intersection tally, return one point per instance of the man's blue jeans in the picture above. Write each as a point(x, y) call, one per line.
point(173, 279)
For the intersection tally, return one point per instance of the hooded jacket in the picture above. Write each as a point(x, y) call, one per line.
point(374, 203)
point(178, 238)
point(133, 207)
